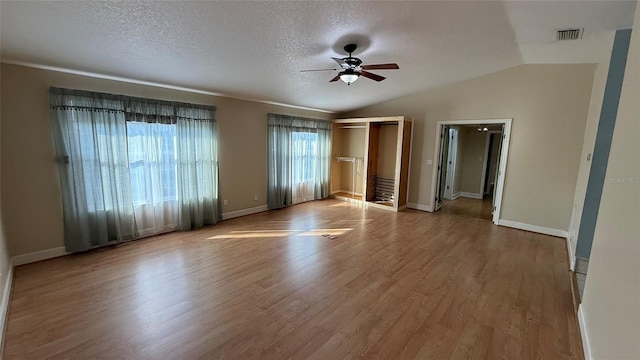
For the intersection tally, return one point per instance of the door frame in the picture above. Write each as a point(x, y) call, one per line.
point(504, 153)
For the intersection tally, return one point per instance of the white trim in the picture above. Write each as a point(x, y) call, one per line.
point(4, 306)
point(38, 256)
point(370, 204)
point(406, 201)
point(570, 253)
point(415, 206)
point(504, 154)
point(533, 228)
point(502, 171)
point(572, 235)
point(456, 195)
point(584, 334)
point(149, 83)
point(471, 195)
point(347, 192)
point(244, 212)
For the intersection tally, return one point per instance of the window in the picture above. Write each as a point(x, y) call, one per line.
point(152, 162)
point(298, 151)
point(132, 167)
point(304, 154)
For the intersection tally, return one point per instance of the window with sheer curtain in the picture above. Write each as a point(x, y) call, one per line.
point(298, 151)
point(304, 154)
point(132, 167)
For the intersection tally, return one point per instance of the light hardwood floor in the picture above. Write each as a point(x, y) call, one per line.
point(408, 285)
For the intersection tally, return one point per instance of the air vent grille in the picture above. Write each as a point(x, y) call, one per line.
point(569, 34)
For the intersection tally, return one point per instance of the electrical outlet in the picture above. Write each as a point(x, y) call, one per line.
point(225, 202)
point(255, 197)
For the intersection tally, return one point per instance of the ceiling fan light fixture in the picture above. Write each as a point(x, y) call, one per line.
point(349, 76)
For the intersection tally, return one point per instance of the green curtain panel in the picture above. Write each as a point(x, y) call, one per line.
point(132, 167)
point(299, 151)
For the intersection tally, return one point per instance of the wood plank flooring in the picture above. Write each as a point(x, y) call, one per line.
point(408, 285)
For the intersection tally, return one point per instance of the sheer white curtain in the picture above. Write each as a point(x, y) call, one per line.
point(298, 159)
point(304, 154)
point(152, 166)
point(151, 136)
point(91, 150)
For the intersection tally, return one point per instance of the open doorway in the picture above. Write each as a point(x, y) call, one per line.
point(469, 176)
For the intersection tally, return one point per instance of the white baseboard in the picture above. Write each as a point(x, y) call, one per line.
point(471, 195)
point(347, 192)
point(534, 228)
point(244, 212)
point(584, 333)
point(4, 305)
point(455, 196)
point(572, 254)
point(38, 256)
point(415, 206)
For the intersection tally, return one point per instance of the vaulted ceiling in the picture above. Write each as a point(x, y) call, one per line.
point(254, 50)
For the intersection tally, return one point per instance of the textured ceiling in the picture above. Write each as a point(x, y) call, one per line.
point(255, 50)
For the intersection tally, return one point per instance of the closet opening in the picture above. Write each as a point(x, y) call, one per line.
point(370, 161)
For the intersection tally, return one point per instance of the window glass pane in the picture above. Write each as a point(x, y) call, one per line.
point(304, 154)
point(152, 162)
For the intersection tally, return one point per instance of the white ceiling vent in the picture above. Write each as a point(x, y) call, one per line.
point(569, 34)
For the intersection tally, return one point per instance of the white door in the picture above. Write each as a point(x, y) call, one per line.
point(451, 163)
point(442, 167)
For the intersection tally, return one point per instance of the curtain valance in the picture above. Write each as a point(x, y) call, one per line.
point(134, 108)
point(297, 123)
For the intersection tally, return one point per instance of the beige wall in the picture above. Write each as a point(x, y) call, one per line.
point(549, 106)
point(349, 142)
point(473, 147)
point(611, 302)
point(31, 203)
point(5, 264)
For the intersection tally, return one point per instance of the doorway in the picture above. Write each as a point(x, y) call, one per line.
point(468, 178)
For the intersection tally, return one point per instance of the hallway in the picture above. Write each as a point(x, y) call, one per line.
point(463, 206)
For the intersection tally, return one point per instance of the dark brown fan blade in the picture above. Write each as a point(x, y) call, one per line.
point(341, 62)
point(372, 76)
point(318, 70)
point(335, 78)
point(381, 67)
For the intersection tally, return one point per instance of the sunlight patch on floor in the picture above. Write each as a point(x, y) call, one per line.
point(279, 233)
point(320, 232)
point(253, 234)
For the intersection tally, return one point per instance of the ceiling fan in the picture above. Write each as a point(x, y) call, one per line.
point(352, 68)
